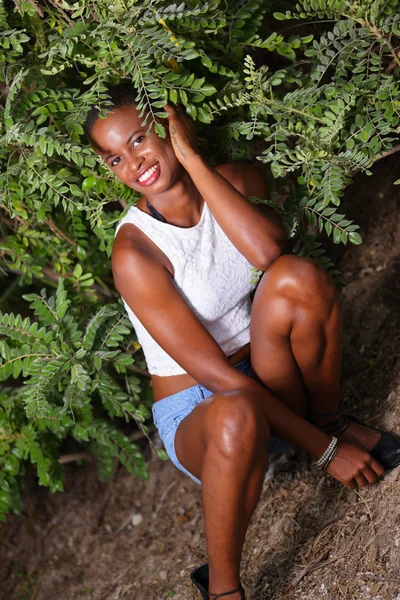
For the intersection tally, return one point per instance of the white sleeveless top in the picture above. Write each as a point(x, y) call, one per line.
point(212, 276)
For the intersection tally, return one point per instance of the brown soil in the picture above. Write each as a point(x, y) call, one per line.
point(309, 539)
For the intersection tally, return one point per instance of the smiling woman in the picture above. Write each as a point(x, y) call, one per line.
point(118, 140)
point(233, 379)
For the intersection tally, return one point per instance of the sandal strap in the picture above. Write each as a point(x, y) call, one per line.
point(216, 596)
point(200, 578)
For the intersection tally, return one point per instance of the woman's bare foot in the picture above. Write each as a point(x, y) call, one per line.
point(348, 431)
point(362, 435)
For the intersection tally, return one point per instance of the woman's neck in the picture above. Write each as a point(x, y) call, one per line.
point(181, 204)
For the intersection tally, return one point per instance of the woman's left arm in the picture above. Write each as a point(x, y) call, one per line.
point(259, 235)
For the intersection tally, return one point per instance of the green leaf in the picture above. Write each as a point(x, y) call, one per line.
point(206, 61)
point(328, 227)
point(337, 238)
point(89, 183)
point(162, 454)
point(203, 116)
point(77, 271)
point(355, 238)
point(208, 89)
point(173, 96)
point(160, 130)
point(17, 368)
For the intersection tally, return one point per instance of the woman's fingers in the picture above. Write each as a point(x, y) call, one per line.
point(182, 133)
point(174, 112)
point(361, 480)
point(370, 475)
point(352, 485)
point(377, 467)
point(355, 467)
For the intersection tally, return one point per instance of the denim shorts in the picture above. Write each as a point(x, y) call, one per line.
point(170, 411)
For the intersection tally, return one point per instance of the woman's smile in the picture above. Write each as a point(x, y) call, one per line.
point(132, 155)
point(149, 175)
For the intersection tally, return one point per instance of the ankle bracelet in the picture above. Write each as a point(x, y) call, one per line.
point(335, 427)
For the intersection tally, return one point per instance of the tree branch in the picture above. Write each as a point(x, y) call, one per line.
point(379, 157)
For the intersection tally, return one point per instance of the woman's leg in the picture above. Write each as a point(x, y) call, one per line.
point(223, 443)
point(296, 342)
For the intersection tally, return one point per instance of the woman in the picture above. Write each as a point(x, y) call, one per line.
point(182, 261)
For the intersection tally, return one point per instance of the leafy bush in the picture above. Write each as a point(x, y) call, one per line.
point(315, 107)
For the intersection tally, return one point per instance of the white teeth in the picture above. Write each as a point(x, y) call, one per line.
point(147, 174)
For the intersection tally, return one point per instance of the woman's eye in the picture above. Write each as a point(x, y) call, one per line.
point(139, 139)
point(117, 160)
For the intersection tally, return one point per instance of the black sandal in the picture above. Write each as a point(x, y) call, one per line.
point(386, 451)
point(199, 576)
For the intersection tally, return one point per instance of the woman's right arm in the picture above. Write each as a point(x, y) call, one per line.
point(148, 289)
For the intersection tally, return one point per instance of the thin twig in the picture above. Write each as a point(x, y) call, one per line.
point(164, 495)
point(37, 585)
point(373, 553)
point(140, 371)
point(387, 153)
point(67, 458)
point(138, 435)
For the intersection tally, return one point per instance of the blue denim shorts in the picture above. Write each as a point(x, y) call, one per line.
point(170, 411)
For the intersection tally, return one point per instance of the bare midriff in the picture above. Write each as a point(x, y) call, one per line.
point(166, 386)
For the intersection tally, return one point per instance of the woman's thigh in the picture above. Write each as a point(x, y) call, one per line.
point(224, 428)
point(181, 420)
point(191, 439)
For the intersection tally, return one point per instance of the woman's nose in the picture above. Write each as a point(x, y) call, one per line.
point(135, 163)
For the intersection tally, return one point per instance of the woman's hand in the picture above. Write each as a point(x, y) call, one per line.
point(182, 133)
point(354, 467)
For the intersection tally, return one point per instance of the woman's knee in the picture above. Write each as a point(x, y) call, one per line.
point(235, 424)
point(301, 280)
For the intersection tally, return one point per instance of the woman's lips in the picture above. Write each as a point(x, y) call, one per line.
point(153, 177)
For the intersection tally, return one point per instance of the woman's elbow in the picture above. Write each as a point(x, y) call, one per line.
point(270, 254)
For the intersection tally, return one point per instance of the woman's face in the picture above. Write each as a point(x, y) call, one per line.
point(146, 164)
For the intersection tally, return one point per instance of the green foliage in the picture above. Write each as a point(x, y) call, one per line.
point(316, 108)
point(70, 367)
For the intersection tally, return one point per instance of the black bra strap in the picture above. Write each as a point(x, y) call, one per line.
point(157, 215)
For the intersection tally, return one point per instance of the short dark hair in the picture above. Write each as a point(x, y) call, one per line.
point(121, 94)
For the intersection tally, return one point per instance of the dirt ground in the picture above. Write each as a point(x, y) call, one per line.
point(310, 538)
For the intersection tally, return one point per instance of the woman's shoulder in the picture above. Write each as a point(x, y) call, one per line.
point(245, 177)
point(132, 245)
point(232, 168)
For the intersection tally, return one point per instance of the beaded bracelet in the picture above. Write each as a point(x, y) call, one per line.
point(325, 460)
point(330, 457)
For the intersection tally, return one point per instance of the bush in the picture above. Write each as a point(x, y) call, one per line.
point(318, 107)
